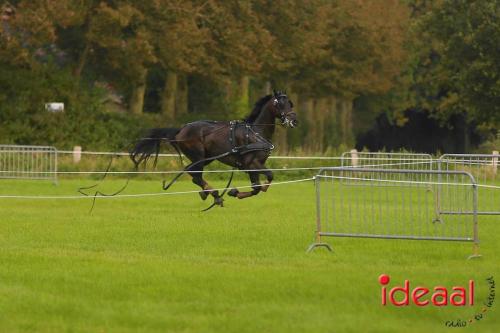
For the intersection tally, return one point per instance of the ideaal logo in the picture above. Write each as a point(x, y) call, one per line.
point(438, 296)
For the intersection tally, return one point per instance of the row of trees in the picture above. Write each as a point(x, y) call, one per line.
point(193, 58)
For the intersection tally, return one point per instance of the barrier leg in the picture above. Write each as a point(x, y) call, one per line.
point(318, 243)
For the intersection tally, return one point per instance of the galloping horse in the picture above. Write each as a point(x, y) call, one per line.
point(245, 145)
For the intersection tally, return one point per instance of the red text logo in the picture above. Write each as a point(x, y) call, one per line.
point(422, 296)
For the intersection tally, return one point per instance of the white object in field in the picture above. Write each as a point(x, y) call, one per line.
point(54, 107)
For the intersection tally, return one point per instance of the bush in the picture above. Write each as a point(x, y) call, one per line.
point(85, 122)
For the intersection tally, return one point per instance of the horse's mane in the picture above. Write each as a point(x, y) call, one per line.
point(257, 109)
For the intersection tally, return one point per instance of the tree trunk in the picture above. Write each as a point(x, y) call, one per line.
point(82, 60)
point(346, 123)
point(321, 112)
point(181, 102)
point(168, 96)
point(242, 104)
point(267, 88)
point(307, 108)
point(282, 134)
point(294, 97)
point(466, 137)
point(137, 98)
point(333, 128)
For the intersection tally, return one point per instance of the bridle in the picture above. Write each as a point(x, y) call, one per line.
point(280, 105)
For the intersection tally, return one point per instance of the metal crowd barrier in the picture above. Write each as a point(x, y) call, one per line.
point(407, 209)
point(28, 162)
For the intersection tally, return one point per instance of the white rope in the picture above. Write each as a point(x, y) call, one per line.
point(161, 172)
point(72, 197)
point(203, 171)
point(489, 186)
point(270, 157)
point(405, 181)
point(175, 155)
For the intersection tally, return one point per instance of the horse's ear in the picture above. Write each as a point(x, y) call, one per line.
point(275, 100)
point(291, 103)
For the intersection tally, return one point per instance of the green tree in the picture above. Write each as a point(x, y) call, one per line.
point(458, 70)
point(179, 44)
point(123, 45)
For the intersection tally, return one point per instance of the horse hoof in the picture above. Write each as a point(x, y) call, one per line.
point(233, 192)
point(203, 195)
point(219, 201)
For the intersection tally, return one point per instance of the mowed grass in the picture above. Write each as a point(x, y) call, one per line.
point(158, 264)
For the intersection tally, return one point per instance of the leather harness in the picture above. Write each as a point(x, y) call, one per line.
point(261, 145)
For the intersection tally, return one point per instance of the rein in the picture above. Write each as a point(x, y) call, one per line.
point(99, 193)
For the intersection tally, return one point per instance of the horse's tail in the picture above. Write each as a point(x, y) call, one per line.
point(150, 145)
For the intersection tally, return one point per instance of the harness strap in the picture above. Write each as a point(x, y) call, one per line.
point(165, 187)
point(261, 144)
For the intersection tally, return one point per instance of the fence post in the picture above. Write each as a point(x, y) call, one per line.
point(77, 154)
point(495, 162)
point(354, 157)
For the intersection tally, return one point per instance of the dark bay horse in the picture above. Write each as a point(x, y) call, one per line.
point(245, 145)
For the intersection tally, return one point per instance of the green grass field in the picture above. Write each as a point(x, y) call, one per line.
point(158, 264)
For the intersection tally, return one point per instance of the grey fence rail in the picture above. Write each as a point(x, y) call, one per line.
point(386, 160)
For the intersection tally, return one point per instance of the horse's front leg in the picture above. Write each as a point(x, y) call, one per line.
point(256, 187)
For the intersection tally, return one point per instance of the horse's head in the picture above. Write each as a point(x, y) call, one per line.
point(283, 109)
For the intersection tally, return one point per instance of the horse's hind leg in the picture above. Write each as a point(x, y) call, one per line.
point(197, 174)
point(256, 187)
point(269, 176)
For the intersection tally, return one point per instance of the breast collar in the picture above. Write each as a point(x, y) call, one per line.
point(262, 144)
